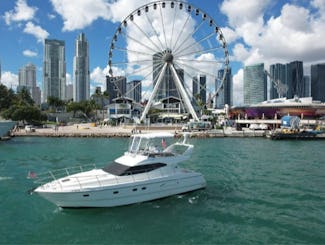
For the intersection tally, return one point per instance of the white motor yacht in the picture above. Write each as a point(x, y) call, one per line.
point(148, 170)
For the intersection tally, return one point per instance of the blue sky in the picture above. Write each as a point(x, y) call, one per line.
point(256, 31)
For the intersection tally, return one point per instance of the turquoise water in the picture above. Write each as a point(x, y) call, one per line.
point(258, 191)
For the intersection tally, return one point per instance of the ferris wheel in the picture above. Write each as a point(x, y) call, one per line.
point(171, 48)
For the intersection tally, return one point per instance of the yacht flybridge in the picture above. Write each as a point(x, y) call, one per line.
point(148, 170)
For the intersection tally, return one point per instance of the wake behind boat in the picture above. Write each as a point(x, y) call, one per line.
point(148, 170)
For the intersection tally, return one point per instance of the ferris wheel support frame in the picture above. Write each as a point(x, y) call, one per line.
point(180, 88)
point(183, 94)
point(155, 89)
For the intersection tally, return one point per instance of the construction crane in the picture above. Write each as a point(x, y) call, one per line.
point(281, 88)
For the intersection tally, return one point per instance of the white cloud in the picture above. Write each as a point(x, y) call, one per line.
point(295, 18)
point(229, 34)
point(22, 12)
point(68, 78)
point(147, 84)
point(51, 16)
point(319, 4)
point(78, 14)
point(145, 95)
point(122, 8)
point(240, 12)
point(98, 77)
point(37, 31)
point(29, 53)
point(240, 53)
point(9, 79)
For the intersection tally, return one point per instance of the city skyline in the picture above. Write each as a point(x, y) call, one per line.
point(249, 29)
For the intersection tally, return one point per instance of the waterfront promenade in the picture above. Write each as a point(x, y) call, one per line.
point(89, 130)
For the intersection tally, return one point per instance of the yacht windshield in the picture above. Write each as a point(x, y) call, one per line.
point(134, 144)
point(145, 145)
point(121, 170)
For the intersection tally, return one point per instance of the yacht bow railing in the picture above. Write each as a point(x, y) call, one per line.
point(55, 179)
point(56, 174)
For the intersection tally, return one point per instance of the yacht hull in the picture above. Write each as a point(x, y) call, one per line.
point(125, 194)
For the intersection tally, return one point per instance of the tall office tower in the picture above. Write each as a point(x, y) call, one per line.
point(37, 95)
point(203, 88)
point(115, 87)
point(255, 84)
point(277, 72)
point(171, 88)
point(69, 92)
point(167, 86)
point(318, 82)
point(134, 90)
point(54, 69)
point(295, 79)
point(81, 69)
point(306, 92)
point(199, 84)
point(195, 89)
point(27, 79)
point(225, 93)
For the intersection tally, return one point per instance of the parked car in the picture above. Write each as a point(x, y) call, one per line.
point(29, 128)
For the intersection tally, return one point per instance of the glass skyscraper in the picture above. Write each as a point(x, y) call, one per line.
point(255, 84)
point(225, 94)
point(295, 79)
point(291, 75)
point(81, 69)
point(199, 84)
point(27, 79)
point(134, 90)
point(54, 69)
point(318, 82)
point(115, 87)
point(277, 72)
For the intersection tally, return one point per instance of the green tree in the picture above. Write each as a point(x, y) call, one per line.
point(20, 106)
point(24, 98)
point(86, 107)
point(55, 103)
point(7, 96)
point(74, 107)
